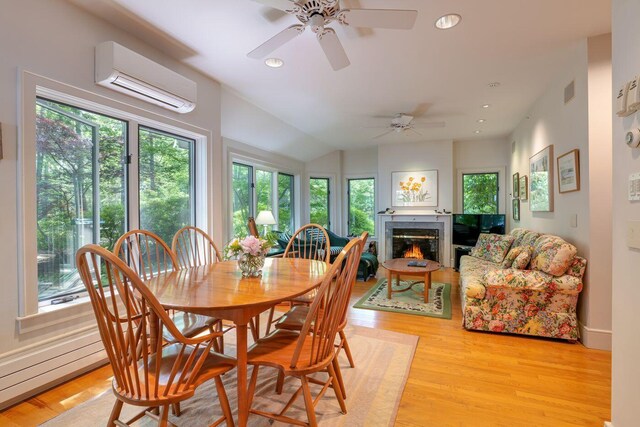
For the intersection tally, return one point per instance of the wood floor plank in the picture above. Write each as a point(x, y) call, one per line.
point(457, 377)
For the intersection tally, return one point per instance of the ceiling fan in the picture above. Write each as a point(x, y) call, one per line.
point(402, 122)
point(317, 14)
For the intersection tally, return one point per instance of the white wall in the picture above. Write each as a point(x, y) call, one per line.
point(417, 156)
point(626, 290)
point(580, 124)
point(56, 40)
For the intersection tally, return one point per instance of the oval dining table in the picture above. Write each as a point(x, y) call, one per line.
point(220, 291)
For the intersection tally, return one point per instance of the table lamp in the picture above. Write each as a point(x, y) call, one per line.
point(265, 218)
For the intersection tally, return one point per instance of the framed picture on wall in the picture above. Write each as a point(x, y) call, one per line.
point(418, 188)
point(524, 187)
point(569, 171)
point(516, 185)
point(541, 180)
point(516, 209)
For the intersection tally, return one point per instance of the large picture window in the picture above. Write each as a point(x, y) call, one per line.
point(319, 202)
point(285, 202)
point(361, 194)
point(480, 193)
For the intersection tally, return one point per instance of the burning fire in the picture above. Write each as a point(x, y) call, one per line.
point(413, 252)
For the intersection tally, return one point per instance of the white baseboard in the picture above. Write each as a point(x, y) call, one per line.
point(599, 339)
point(28, 372)
point(608, 424)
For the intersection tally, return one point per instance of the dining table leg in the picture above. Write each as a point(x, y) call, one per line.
point(243, 398)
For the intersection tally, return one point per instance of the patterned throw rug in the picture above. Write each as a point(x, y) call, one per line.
point(409, 301)
point(374, 388)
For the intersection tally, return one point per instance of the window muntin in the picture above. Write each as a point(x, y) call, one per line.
point(480, 193)
point(361, 210)
point(80, 190)
point(319, 202)
point(285, 202)
point(166, 170)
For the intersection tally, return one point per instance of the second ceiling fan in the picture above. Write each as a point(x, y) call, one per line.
point(317, 14)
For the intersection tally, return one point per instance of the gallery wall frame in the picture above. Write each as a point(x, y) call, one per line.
point(418, 188)
point(515, 185)
point(569, 171)
point(541, 180)
point(515, 204)
point(524, 188)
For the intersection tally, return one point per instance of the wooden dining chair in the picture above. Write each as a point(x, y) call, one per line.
point(148, 256)
point(308, 242)
point(193, 248)
point(311, 350)
point(154, 377)
point(252, 227)
point(294, 319)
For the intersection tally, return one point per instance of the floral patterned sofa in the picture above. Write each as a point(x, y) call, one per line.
point(522, 283)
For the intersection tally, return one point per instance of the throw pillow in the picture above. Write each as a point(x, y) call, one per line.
point(492, 247)
point(511, 255)
point(552, 255)
point(522, 260)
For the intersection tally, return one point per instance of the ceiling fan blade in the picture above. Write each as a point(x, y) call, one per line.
point(276, 41)
point(414, 131)
point(430, 125)
point(381, 135)
point(379, 18)
point(284, 5)
point(333, 49)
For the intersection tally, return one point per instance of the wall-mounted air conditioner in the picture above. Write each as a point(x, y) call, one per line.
point(126, 71)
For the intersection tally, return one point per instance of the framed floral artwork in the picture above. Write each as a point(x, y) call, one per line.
point(414, 188)
point(541, 181)
point(516, 185)
point(524, 187)
point(569, 172)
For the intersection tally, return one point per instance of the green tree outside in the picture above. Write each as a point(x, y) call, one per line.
point(480, 193)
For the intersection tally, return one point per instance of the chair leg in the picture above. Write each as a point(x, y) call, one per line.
point(280, 382)
point(336, 387)
point(115, 413)
point(336, 368)
point(175, 407)
point(308, 402)
point(252, 385)
point(224, 402)
point(163, 421)
point(272, 310)
point(347, 350)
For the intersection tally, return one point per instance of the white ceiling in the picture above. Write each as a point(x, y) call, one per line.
point(522, 44)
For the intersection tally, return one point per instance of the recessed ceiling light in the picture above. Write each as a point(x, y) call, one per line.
point(494, 84)
point(481, 120)
point(478, 131)
point(448, 21)
point(486, 106)
point(274, 62)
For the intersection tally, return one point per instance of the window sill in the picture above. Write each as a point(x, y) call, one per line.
point(76, 311)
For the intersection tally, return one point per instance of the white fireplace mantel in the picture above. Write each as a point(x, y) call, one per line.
point(416, 216)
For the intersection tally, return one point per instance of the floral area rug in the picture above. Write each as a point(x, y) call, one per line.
point(409, 301)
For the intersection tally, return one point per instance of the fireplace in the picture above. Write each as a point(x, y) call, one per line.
point(419, 243)
point(421, 240)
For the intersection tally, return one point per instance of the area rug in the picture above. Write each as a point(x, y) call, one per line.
point(374, 388)
point(409, 301)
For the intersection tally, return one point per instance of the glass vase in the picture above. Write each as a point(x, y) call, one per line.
point(251, 265)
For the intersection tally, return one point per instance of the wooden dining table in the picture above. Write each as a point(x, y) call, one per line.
point(219, 290)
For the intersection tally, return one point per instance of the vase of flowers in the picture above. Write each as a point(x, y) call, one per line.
point(250, 252)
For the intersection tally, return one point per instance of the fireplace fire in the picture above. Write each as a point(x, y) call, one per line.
point(413, 252)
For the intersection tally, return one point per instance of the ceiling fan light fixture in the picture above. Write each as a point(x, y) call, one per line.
point(273, 62)
point(477, 131)
point(486, 106)
point(448, 21)
point(481, 120)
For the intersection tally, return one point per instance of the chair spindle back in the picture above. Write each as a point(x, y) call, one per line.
point(309, 242)
point(193, 248)
point(145, 253)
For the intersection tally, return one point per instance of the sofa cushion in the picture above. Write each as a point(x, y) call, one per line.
point(472, 271)
point(514, 253)
point(577, 267)
point(532, 280)
point(552, 255)
point(492, 247)
point(522, 260)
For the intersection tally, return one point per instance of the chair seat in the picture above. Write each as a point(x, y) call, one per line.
point(190, 324)
point(276, 350)
point(215, 364)
point(293, 319)
point(305, 298)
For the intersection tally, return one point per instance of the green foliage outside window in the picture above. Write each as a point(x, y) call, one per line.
point(480, 193)
point(361, 206)
point(285, 202)
point(319, 201)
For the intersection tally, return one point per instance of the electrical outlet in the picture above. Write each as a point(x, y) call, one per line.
point(633, 234)
point(573, 221)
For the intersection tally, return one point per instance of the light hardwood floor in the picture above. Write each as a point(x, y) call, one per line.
point(458, 378)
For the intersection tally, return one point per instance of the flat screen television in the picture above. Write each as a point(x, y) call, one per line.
point(467, 227)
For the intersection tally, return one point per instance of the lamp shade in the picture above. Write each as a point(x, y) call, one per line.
point(265, 218)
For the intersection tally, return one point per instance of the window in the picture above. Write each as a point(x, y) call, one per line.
point(166, 170)
point(285, 202)
point(274, 191)
point(361, 194)
point(82, 166)
point(319, 210)
point(480, 193)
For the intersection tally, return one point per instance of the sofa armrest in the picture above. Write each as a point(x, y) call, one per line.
point(532, 280)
